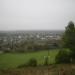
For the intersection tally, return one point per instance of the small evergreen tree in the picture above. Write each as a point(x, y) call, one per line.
point(69, 36)
point(68, 41)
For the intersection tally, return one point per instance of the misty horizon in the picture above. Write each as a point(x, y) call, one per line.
point(18, 15)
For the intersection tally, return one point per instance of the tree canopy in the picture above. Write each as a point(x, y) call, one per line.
point(68, 39)
point(69, 36)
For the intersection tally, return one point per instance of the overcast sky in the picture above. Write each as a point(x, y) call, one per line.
point(36, 14)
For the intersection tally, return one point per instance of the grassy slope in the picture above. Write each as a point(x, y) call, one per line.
point(12, 60)
point(58, 69)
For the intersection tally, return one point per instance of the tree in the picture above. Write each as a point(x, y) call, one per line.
point(69, 36)
point(68, 41)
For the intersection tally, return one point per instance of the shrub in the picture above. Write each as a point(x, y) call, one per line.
point(32, 62)
point(63, 56)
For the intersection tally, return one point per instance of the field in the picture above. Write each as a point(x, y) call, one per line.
point(10, 61)
point(13, 60)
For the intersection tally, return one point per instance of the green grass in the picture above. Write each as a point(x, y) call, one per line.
point(12, 60)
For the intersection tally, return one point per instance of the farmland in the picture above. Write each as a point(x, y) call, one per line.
point(13, 60)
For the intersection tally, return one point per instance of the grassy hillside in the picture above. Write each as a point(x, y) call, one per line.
point(12, 60)
point(59, 69)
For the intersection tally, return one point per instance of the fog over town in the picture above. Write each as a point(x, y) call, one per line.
point(36, 14)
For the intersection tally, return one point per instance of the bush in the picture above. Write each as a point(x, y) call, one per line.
point(32, 62)
point(63, 56)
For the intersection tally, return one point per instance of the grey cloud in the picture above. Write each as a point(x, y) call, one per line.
point(36, 14)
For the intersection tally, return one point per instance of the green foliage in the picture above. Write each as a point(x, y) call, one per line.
point(63, 56)
point(69, 36)
point(32, 62)
point(68, 41)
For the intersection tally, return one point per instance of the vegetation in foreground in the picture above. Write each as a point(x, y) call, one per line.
point(13, 60)
point(59, 69)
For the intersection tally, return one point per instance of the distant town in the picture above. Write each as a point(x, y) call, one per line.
point(12, 40)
